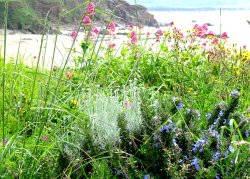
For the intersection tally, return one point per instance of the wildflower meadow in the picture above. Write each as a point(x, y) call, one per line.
point(160, 104)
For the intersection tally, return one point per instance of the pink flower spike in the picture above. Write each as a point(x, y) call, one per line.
point(90, 9)
point(96, 31)
point(159, 32)
point(73, 34)
point(204, 27)
point(224, 35)
point(133, 39)
point(44, 137)
point(86, 21)
point(215, 41)
point(111, 26)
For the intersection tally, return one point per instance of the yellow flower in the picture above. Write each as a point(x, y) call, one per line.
point(74, 103)
point(167, 33)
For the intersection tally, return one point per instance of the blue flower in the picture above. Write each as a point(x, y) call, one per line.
point(217, 176)
point(217, 156)
point(146, 177)
point(208, 115)
point(179, 106)
point(247, 134)
point(234, 93)
point(156, 145)
point(156, 137)
point(198, 145)
point(222, 113)
point(198, 113)
point(214, 133)
point(118, 172)
point(226, 154)
point(165, 128)
point(174, 142)
point(195, 162)
point(231, 149)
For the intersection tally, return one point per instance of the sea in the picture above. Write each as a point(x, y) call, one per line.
point(234, 22)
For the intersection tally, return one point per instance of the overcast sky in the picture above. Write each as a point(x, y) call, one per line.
point(193, 3)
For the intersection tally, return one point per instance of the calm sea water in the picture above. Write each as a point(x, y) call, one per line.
point(232, 22)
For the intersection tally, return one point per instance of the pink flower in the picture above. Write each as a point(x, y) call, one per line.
point(96, 31)
point(90, 9)
point(73, 34)
point(132, 34)
point(69, 74)
point(201, 35)
point(111, 26)
point(204, 27)
point(211, 52)
point(159, 33)
point(244, 47)
point(133, 38)
point(199, 30)
point(210, 34)
point(86, 21)
point(171, 24)
point(224, 35)
point(204, 44)
point(44, 137)
point(130, 27)
point(195, 26)
point(111, 46)
point(215, 41)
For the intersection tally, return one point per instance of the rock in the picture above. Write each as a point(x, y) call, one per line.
point(209, 24)
point(26, 39)
point(30, 16)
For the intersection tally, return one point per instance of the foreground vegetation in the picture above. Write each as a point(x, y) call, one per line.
point(173, 106)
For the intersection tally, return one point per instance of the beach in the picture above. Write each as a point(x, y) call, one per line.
point(232, 22)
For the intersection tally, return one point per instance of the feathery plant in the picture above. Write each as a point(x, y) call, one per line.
point(103, 111)
point(132, 102)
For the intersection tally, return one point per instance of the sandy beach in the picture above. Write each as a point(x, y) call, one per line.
point(29, 45)
point(232, 22)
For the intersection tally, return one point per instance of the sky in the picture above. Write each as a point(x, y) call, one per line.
point(193, 3)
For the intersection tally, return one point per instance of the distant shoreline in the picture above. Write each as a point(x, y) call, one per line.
point(196, 9)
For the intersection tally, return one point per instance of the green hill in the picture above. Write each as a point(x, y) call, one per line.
point(29, 15)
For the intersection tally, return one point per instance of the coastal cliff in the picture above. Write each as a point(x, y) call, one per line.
point(29, 15)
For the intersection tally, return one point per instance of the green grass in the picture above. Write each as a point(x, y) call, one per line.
point(136, 113)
